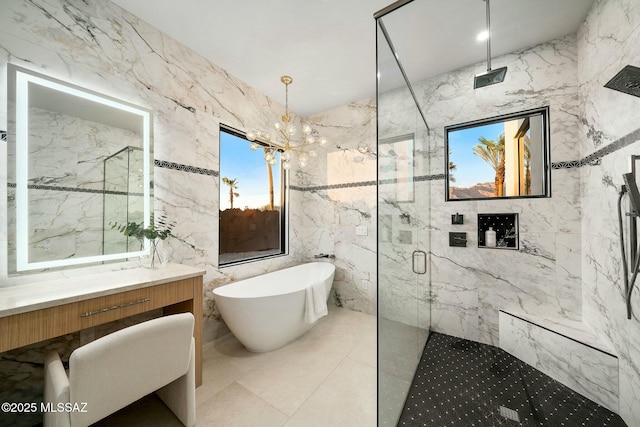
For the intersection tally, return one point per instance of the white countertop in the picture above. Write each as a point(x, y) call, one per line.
point(29, 297)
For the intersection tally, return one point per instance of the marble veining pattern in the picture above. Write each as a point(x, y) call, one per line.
point(338, 195)
point(608, 41)
point(589, 371)
point(99, 46)
point(547, 280)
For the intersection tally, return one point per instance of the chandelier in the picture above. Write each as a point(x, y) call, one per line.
point(284, 139)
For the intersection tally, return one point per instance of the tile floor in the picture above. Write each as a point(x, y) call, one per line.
point(463, 383)
point(327, 377)
point(397, 362)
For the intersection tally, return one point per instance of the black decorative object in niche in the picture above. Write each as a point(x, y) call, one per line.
point(505, 226)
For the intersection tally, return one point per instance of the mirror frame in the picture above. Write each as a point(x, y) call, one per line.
point(19, 80)
point(546, 150)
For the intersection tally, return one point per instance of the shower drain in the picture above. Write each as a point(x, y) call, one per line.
point(509, 414)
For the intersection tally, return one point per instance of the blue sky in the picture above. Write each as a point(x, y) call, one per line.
point(471, 169)
point(249, 168)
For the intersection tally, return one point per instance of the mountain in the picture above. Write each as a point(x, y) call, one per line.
point(480, 190)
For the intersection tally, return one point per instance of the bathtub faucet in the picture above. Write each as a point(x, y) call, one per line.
point(324, 256)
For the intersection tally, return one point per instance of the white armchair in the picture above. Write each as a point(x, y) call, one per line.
point(116, 370)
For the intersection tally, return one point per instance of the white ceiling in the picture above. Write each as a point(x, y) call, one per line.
point(328, 46)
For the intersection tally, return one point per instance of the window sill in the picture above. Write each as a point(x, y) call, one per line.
point(252, 259)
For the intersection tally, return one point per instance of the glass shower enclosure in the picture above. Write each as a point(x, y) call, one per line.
point(403, 226)
point(123, 198)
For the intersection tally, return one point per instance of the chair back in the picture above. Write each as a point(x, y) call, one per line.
point(120, 368)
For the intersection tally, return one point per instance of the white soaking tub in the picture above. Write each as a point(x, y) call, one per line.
point(268, 311)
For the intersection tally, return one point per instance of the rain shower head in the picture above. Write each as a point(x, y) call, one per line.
point(491, 77)
point(626, 81)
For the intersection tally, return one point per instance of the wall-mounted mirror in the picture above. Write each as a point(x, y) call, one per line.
point(78, 161)
point(499, 157)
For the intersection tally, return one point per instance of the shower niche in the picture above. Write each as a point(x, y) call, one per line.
point(505, 226)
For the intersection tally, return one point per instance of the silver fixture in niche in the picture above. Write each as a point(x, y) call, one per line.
point(626, 81)
point(490, 77)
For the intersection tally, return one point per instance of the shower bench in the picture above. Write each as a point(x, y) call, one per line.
point(568, 351)
point(39, 311)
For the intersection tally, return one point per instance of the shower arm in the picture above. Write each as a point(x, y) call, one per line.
point(488, 35)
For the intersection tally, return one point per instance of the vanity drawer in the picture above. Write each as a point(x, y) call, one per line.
point(34, 326)
point(106, 309)
point(26, 328)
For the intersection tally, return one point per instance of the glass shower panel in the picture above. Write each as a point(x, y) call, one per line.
point(403, 233)
point(123, 198)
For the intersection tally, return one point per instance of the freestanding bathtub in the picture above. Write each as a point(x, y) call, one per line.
point(266, 312)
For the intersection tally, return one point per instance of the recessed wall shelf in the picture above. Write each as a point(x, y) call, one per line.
point(506, 227)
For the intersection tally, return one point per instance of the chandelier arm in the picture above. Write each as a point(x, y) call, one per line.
point(283, 133)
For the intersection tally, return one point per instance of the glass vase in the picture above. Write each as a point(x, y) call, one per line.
point(156, 257)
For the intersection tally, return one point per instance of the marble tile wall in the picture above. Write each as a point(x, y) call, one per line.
point(338, 194)
point(106, 49)
point(568, 264)
point(101, 47)
point(588, 370)
point(608, 41)
point(469, 285)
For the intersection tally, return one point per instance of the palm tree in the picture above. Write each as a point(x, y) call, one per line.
point(493, 154)
point(270, 176)
point(452, 179)
point(233, 185)
point(452, 167)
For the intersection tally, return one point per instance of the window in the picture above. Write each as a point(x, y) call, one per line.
point(252, 201)
point(499, 157)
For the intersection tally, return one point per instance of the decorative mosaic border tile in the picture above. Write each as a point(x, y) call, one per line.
point(590, 160)
point(184, 168)
point(367, 183)
point(568, 164)
point(74, 189)
point(623, 142)
point(333, 186)
point(434, 177)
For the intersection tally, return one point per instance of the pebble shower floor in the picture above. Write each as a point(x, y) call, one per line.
point(462, 383)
